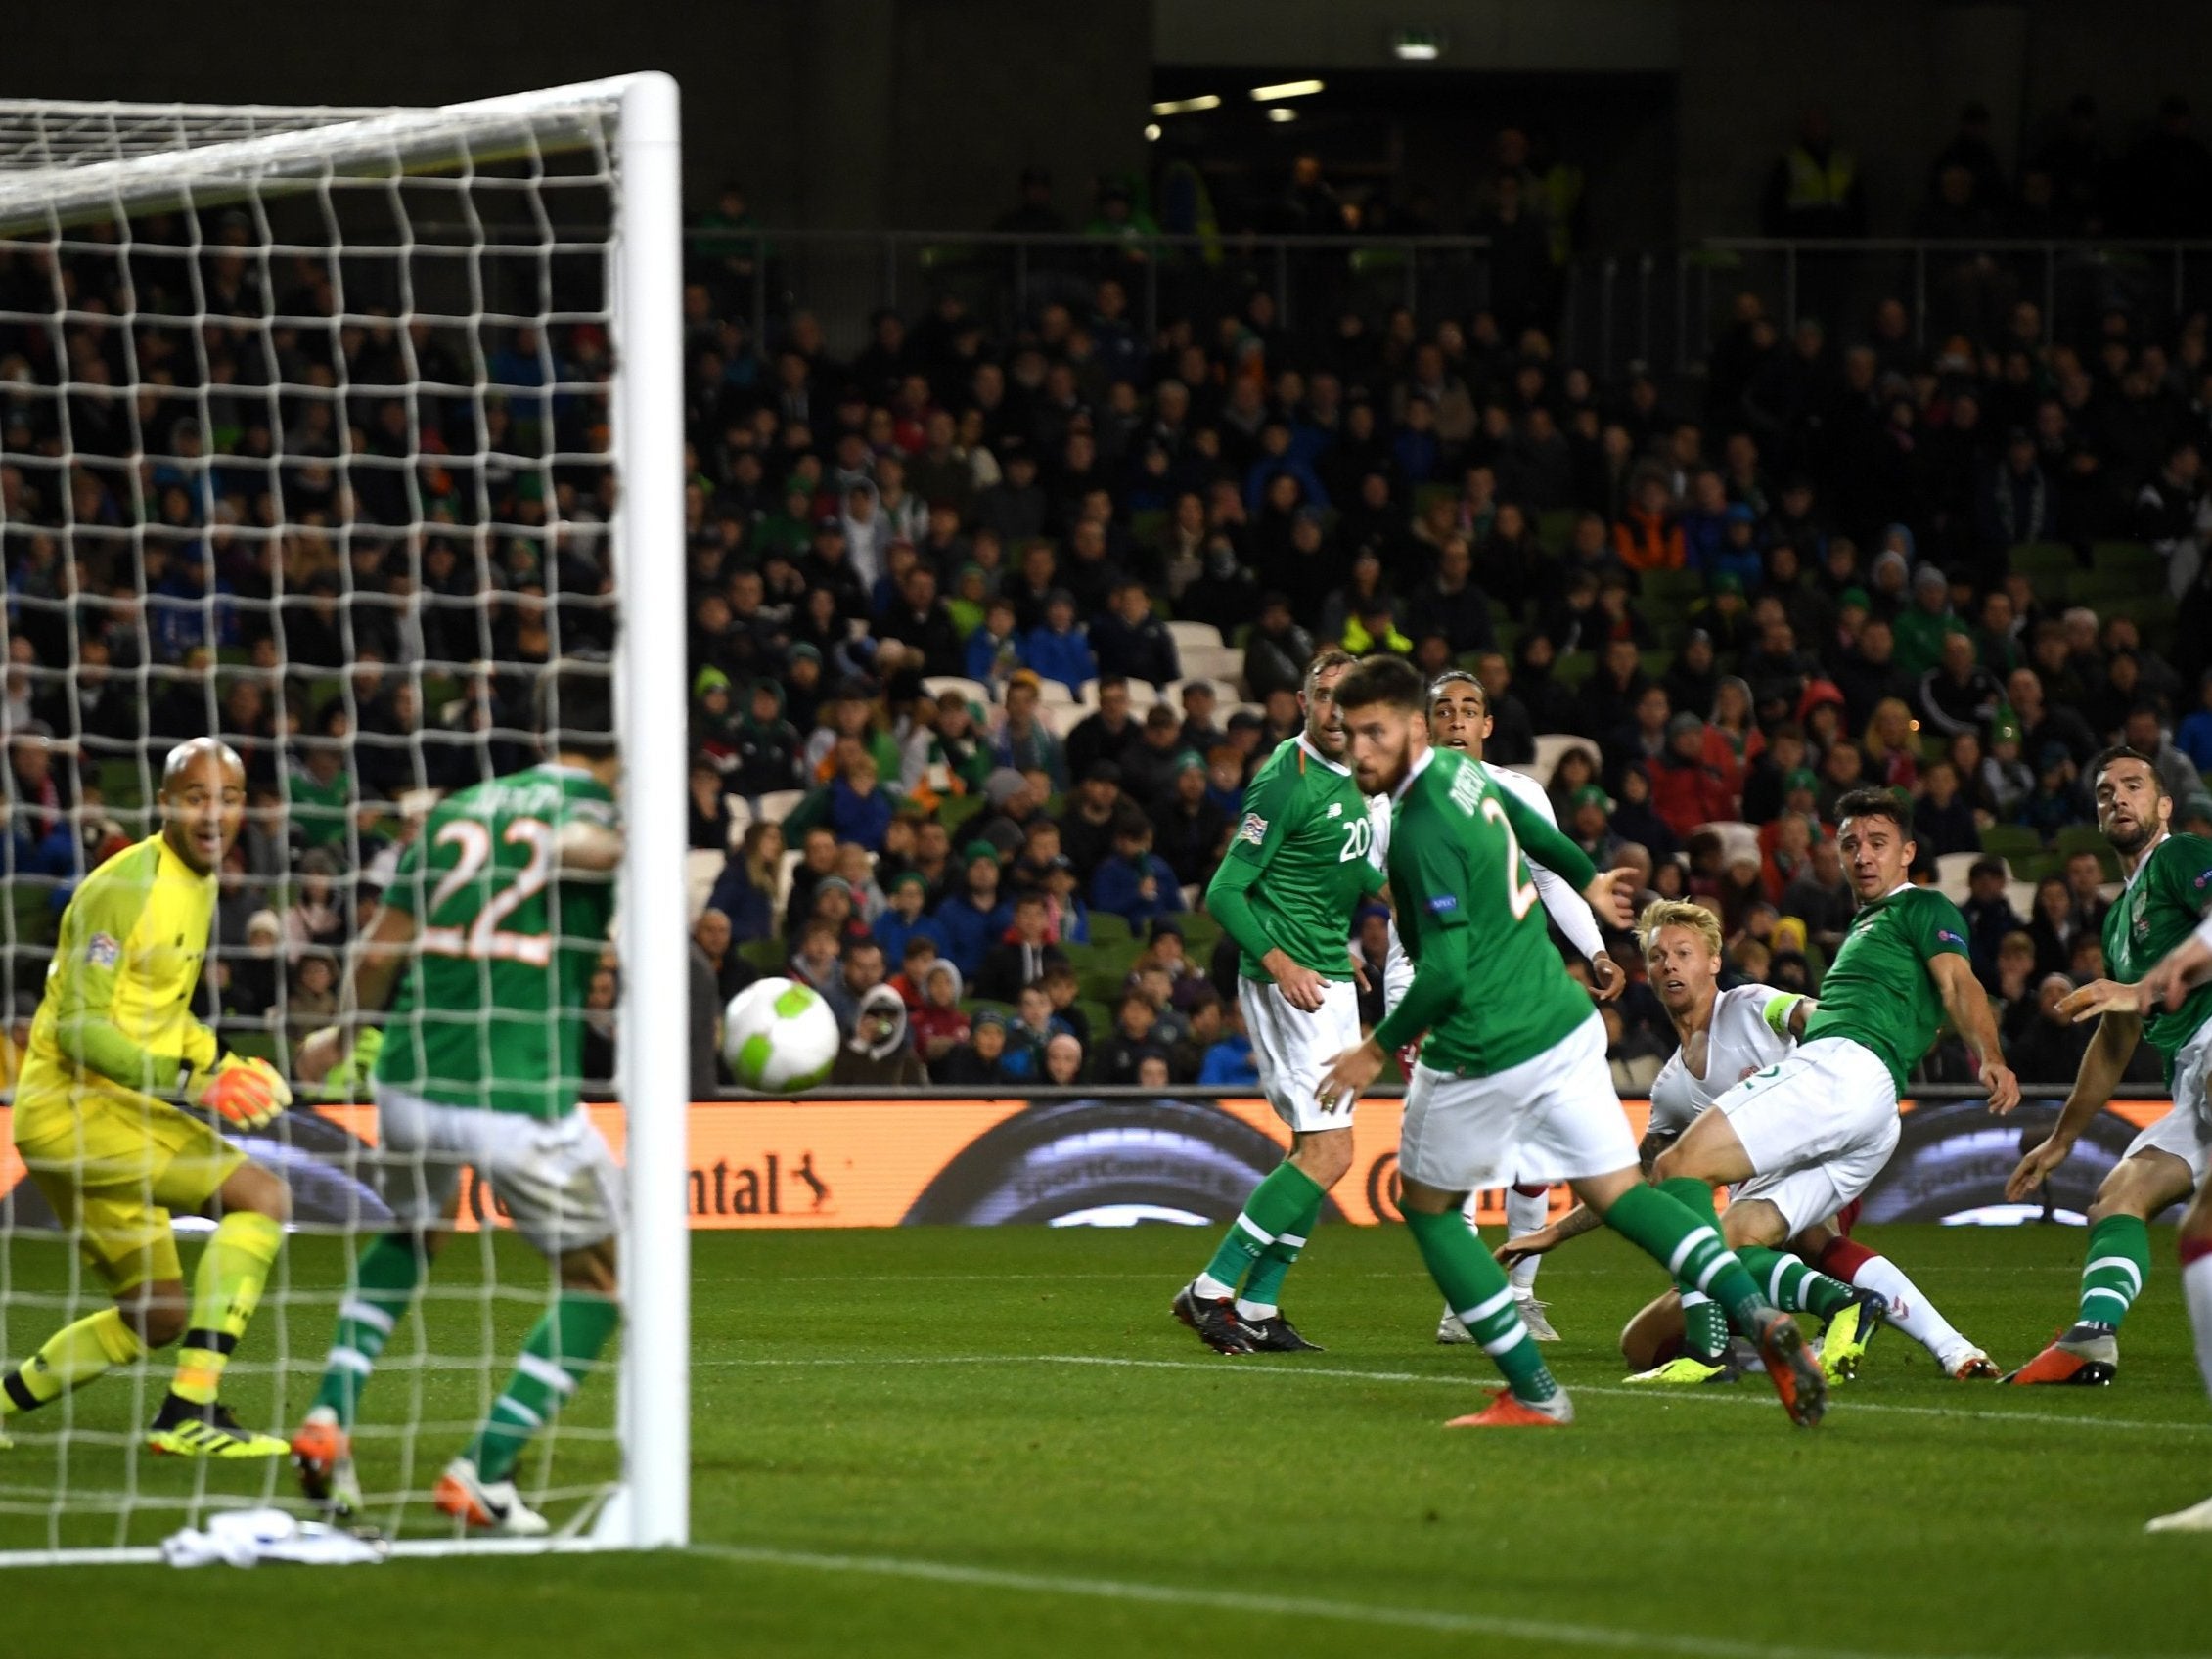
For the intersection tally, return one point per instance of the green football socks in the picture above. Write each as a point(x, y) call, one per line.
point(1263, 1286)
point(1286, 1202)
point(2118, 1261)
point(1791, 1285)
point(560, 1354)
point(385, 1281)
point(1476, 1289)
point(1673, 1223)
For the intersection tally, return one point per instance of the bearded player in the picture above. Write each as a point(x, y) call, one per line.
point(496, 919)
point(1459, 719)
point(1306, 853)
point(1512, 1075)
point(2146, 947)
point(115, 1031)
point(1723, 1038)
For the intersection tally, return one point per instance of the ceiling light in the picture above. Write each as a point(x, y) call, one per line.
point(1417, 46)
point(1286, 89)
point(1283, 115)
point(1151, 130)
point(1187, 106)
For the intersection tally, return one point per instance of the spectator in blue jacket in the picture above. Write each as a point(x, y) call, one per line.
point(745, 890)
point(1056, 648)
point(1135, 883)
point(994, 649)
point(903, 919)
point(973, 918)
point(859, 808)
point(1276, 459)
point(1229, 1062)
point(1737, 552)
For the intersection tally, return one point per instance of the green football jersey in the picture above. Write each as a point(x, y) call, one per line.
point(1317, 845)
point(1878, 991)
point(1455, 861)
point(2164, 901)
point(491, 1011)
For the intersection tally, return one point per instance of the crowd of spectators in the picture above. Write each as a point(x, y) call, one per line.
point(943, 727)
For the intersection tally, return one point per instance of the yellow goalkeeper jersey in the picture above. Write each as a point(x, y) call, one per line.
point(117, 1005)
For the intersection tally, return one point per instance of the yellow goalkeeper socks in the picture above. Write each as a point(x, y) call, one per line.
point(225, 1290)
point(71, 1358)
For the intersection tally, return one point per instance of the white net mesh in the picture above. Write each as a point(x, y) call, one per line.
point(304, 443)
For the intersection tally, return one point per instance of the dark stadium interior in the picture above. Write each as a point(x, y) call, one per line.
point(1696, 382)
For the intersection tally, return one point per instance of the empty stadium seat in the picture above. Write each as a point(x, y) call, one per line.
point(1950, 874)
point(1551, 745)
point(703, 866)
point(776, 805)
point(1195, 636)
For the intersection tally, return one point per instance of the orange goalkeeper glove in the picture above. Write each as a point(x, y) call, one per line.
point(245, 1094)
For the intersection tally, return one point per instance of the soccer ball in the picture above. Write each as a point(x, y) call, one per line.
point(780, 1037)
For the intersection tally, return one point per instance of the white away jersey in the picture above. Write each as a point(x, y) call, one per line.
point(1749, 1033)
point(1565, 906)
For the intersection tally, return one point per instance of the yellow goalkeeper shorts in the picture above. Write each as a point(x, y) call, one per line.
point(115, 1163)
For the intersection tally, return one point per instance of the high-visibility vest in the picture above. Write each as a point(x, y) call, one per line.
point(1812, 185)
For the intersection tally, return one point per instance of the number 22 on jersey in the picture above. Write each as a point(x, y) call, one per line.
point(484, 939)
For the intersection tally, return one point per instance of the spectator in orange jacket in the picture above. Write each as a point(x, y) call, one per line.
point(1646, 538)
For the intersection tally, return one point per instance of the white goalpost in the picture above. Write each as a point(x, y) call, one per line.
point(326, 431)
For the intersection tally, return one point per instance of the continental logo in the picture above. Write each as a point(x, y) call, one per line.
point(761, 1188)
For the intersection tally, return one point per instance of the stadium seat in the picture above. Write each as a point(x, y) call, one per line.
point(1737, 840)
point(767, 954)
point(1551, 745)
point(2009, 841)
point(1951, 875)
point(936, 684)
point(1106, 929)
point(740, 817)
point(2048, 566)
point(1196, 636)
point(703, 866)
point(776, 805)
point(1573, 667)
point(2021, 895)
point(1054, 694)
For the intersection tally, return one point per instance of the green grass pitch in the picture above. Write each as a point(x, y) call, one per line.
point(996, 1442)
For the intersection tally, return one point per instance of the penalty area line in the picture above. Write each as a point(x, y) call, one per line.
point(1227, 1366)
point(1504, 1625)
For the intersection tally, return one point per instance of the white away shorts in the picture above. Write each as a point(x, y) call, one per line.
point(557, 1181)
point(1554, 1118)
point(1293, 1048)
point(1817, 1127)
point(2185, 1131)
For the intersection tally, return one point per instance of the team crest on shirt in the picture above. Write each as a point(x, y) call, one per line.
point(101, 951)
point(1254, 829)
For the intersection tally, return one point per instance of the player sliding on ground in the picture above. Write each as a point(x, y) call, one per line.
point(2147, 949)
point(1512, 1077)
point(1308, 849)
point(1800, 1140)
point(1726, 1037)
point(1459, 719)
point(115, 1030)
point(497, 914)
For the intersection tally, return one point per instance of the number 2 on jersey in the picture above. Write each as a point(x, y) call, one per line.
point(1519, 894)
point(485, 940)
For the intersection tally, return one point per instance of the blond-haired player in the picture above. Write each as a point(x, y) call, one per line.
point(1726, 1037)
point(114, 1032)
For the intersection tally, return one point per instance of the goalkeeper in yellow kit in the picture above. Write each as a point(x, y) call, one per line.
point(115, 1031)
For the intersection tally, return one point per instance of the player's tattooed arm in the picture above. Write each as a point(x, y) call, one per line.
point(1550, 1236)
point(1967, 1004)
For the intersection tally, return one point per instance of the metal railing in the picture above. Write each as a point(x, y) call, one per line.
point(1005, 278)
point(1661, 307)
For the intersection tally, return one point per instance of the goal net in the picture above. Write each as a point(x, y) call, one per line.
point(328, 433)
